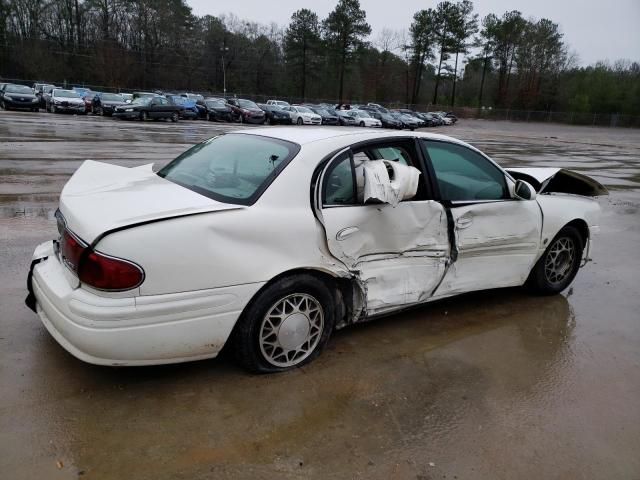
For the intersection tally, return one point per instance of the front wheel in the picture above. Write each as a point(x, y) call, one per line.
point(144, 116)
point(559, 264)
point(362, 124)
point(299, 121)
point(286, 326)
point(174, 117)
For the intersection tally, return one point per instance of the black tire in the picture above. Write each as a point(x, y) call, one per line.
point(299, 121)
point(557, 267)
point(2, 104)
point(209, 118)
point(53, 108)
point(174, 117)
point(99, 111)
point(245, 338)
point(362, 124)
point(144, 116)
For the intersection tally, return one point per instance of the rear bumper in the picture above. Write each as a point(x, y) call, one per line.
point(142, 330)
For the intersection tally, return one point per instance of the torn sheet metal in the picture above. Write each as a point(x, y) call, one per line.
point(389, 182)
point(398, 255)
point(400, 281)
point(559, 180)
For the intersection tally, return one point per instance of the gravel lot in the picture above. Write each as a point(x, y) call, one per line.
point(496, 385)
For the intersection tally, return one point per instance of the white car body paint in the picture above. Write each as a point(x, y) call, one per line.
point(298, 114)
point(365, 121)
point(205, 260)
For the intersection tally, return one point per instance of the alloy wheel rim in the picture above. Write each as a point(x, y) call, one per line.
point(559, 260)
point(291, 330)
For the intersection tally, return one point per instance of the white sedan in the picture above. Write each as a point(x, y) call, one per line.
point(269, 239)
point(364, 119)
point(302, 115)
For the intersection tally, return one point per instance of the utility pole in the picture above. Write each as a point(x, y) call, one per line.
point(223, 50)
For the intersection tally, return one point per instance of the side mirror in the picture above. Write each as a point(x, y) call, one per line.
point(524, 191)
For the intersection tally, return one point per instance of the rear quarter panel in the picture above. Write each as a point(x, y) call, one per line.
point(252, 244)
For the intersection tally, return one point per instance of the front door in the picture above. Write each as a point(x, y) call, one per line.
point(397, 253)
point(496, 235)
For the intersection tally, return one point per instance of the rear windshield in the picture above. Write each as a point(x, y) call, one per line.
point(233, 168)
point(112, 97)
point(247, 104)
point(66, 94)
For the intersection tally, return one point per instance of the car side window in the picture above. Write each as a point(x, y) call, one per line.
point(343, 182)
point(338, 185)
point(463, 174)
point(393, 153)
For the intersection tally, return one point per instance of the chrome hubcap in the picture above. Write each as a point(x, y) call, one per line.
point(559, 261)
point(291, 330)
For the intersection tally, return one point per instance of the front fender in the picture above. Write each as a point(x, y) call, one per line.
point(558, 210)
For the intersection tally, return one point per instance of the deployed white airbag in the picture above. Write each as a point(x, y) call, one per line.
point(389, 181)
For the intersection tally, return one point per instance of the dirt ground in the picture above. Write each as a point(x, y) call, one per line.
point(493, 385)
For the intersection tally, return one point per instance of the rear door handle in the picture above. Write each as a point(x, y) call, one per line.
point(346, 232)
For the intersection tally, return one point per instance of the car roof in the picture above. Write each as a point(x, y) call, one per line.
point(307, 135)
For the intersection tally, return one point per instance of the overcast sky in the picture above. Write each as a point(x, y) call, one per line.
point(595, 29)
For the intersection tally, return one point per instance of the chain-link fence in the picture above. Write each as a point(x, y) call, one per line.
point(573, 118)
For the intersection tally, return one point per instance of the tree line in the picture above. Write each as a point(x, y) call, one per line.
point(448, 55)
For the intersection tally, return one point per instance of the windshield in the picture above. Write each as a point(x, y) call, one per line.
point(247, 104)
point(323, 112)
point(66, 94)
point(17, 89)
point(215, 103)
point(233, 168)
point(304, 110)
point(111, 97)
point(363, 114)
point(141, 101)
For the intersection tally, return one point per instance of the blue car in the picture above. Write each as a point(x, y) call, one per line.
point(189, 109)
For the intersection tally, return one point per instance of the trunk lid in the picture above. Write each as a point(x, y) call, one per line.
point(101, 197)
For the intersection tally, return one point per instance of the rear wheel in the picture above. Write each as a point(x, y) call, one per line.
point(559, 264)
point(286, 326)
point(174, 117)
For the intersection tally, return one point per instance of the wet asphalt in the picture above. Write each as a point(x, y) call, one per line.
point(492, 385)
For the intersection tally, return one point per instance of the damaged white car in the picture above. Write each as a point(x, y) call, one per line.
point(271, 239)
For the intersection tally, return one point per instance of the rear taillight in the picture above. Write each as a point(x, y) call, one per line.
point(71, 249)
point(96, 269)
point(109, 273)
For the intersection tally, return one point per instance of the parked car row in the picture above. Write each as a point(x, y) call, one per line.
point(191, 106)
